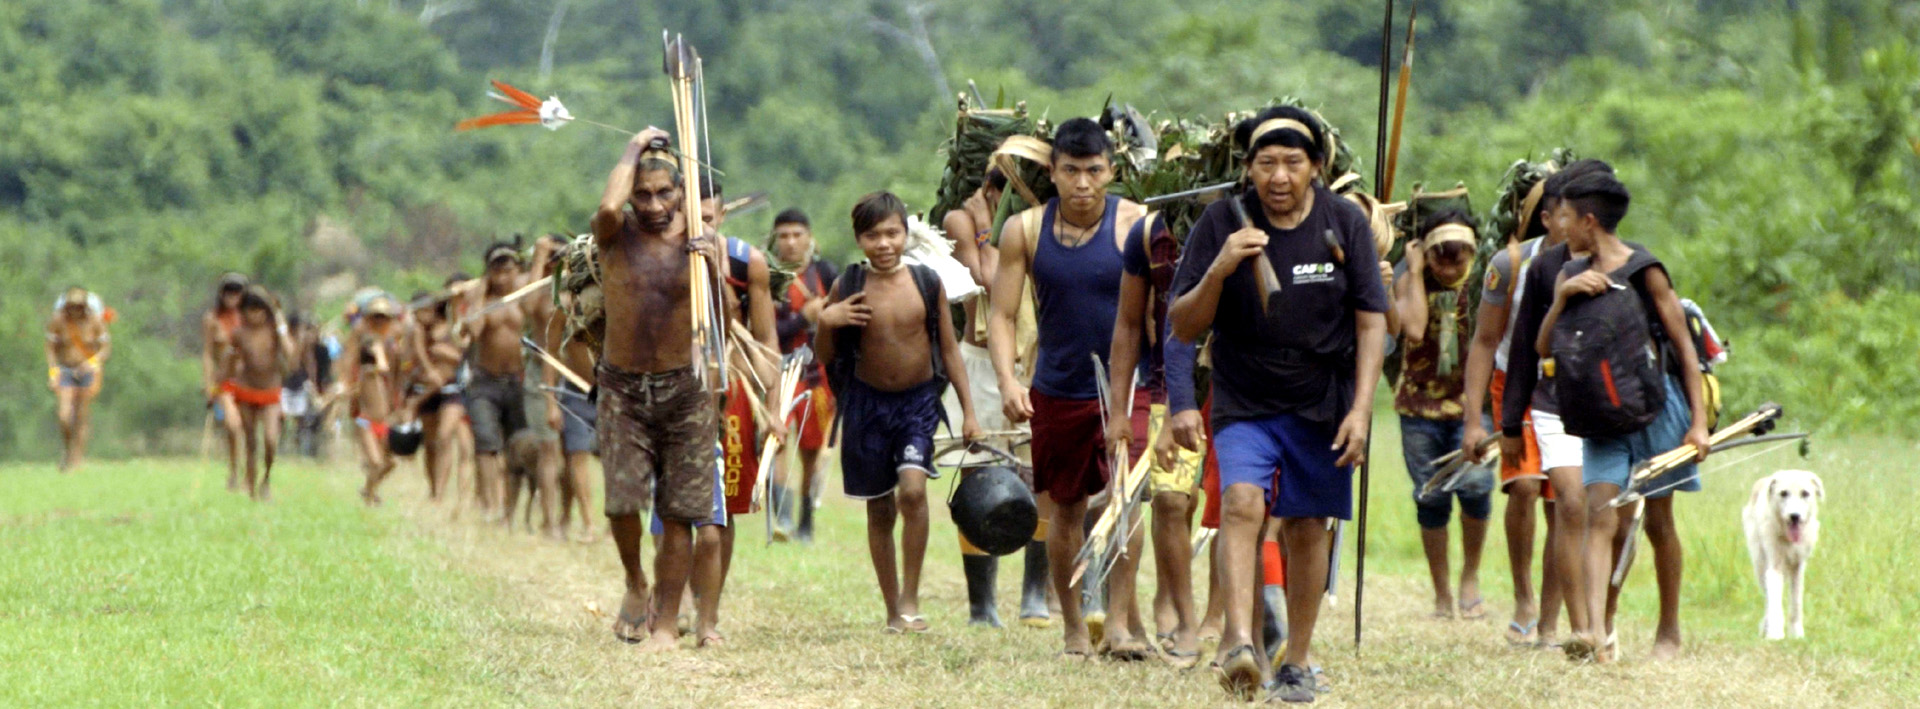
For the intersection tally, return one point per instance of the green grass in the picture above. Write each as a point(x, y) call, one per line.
point(145, 582)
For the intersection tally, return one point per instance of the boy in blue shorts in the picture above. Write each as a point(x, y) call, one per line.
point(1294, 374)
point(1590, 209)
point(887, 338)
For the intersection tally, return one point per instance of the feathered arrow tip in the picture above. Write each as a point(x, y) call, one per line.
point(549, 113)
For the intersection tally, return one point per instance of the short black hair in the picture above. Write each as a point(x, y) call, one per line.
point(1315, 143)
point(791, 215)
point(1081, 138)
point(996, 179)
point(874, 208)
point(255, 299)
point(1557, 182)
point(1599, 194)
point(711, 188)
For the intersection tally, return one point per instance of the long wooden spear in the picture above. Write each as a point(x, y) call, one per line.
point(1400, 104)
point(1379, 168)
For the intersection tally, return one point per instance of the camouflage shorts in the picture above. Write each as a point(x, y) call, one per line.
point(656, 443)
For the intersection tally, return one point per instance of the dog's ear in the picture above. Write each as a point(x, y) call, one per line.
point(1773, 481)
point(1819, 488)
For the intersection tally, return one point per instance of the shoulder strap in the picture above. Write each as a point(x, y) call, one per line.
point(1030, 225)
point(851, 280)
point(928, 283)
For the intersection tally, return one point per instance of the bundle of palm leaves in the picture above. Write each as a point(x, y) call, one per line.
point(978, 131)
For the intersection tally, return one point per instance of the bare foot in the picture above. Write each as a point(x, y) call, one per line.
point(713, 639)
point(662, 641)
point(1665, 648)
point(1077, 643)
point(1210, 630)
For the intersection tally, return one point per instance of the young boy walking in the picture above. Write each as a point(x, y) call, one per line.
point(887, 338)
point(1431, 300)
point(259, 351)
point(1590, 209)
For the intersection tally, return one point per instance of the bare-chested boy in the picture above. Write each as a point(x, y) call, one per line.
point(257, 356)
point(887, 337)
point(657, 419)
point(77, 345)
point(215, 327)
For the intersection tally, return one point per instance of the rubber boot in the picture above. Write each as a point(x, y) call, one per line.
point(981, 572)
point(1033, 588)
point(804, 532)
point(1273, 624)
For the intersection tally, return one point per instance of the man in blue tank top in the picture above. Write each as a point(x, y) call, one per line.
point(1071, 248)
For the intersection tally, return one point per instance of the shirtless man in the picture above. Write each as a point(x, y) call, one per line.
point(215, 328)
point(369, 370)
point(77, 344)
point(258, 354)
point(496, 395)
point(971, 227)
point(657, 419)
point(570, 412)
point(887, 338)
point(442, 412)
point(749, 301)
point(1074, 256)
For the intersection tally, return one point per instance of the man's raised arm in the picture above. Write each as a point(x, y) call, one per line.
point(613, 202)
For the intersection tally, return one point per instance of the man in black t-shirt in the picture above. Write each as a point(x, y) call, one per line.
point(1293, 378)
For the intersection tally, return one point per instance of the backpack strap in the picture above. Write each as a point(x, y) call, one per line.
point(1146, 247)
point(1030, 226)
point(928, 283)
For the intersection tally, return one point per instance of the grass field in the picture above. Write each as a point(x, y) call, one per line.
point(144, 582)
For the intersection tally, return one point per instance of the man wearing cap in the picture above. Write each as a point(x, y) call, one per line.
point(496, 395)
point(657, 416)
point(216, 332)
point(77, 344)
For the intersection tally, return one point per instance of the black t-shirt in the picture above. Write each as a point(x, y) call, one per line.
point(1299, 358)
point(1523, 360)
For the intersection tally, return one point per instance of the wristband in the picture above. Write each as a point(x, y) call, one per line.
point(53, 375)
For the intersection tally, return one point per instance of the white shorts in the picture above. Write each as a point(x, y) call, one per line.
point(984, 385)
point(1557, 449)
point(293, 402)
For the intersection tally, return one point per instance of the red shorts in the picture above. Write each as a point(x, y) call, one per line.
point(740, 441)
point(1210, 474)
point(251, 397)
point(1069, 459)
point(1528, 467)
point(816, 416)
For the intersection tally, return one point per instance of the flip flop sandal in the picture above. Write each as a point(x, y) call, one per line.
point(1475, 610)
point(1164, 641)
point(715, 640)
point(625, 620)
point(1134, 651)
point(1075, 656)
point(1240, 673)
point(915, 623)
point(1522, 635)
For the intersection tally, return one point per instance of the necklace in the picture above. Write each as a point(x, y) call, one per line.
point(1085, 234)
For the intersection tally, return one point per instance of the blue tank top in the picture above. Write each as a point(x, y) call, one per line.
point(1076, 298)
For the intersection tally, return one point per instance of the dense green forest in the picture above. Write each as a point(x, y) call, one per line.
point(1774, 152)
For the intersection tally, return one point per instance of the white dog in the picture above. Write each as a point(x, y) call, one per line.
point(1783, 524)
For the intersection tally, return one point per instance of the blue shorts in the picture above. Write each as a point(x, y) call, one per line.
point(75, 377)
point(1421, 441)
point(1289, 458)
point(719, 518)
point(1611, 460)
point(885, 432)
